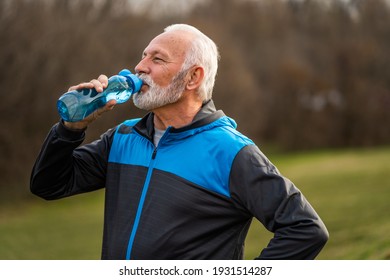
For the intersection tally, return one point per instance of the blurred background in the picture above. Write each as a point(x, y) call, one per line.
point(308, 81)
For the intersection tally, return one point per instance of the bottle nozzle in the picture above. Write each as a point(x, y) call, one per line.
point(137, 82)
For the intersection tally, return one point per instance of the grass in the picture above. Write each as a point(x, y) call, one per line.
point(65, 229)
point(350, 190)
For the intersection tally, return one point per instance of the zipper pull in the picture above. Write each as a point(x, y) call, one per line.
point(154, 153)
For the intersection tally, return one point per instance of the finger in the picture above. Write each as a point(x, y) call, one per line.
point(103, 79)
point(109, 106)
point(81, 85)
point(97, 85)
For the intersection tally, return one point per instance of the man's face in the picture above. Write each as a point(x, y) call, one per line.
point(160, 70)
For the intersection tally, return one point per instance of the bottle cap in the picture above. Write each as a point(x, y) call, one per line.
point(137, 82)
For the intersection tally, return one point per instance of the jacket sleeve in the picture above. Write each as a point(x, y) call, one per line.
point(63, 168)
point(258, 188)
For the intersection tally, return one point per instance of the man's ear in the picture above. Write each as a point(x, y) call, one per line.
point(196, 75)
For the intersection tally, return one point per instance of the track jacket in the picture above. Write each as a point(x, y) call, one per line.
point(191, 197)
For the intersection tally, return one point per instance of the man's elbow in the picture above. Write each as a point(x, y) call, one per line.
point(37, 191)
point(319, 238)
point(42, 190)
point(322, 236)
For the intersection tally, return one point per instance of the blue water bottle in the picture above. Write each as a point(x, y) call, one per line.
point(75, 105)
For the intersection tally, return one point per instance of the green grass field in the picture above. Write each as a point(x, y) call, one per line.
point(350, 189)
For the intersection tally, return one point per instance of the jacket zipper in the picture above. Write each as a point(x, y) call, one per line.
point(143, 196)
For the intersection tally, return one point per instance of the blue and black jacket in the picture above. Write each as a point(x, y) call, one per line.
point(191, 197)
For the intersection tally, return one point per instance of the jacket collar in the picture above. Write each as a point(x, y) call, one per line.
point(207, 114)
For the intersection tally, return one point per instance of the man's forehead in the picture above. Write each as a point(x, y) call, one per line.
point(169, 43)
point(153, 49)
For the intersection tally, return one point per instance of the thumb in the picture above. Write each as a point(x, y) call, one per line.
point(92, 117)
point(108, 107)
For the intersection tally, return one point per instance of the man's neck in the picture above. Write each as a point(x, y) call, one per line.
point(175, 115)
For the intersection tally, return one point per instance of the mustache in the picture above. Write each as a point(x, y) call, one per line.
point(146, 79)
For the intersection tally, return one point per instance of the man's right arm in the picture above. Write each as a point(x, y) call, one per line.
point(63, 168)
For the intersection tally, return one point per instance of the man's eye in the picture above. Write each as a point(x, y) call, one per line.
point(158, 59)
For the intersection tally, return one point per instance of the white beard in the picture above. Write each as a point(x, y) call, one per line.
point(157, 96)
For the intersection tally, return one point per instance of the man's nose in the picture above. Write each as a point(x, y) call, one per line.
point(141, 67)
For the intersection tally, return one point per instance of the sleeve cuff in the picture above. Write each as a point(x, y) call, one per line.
point(70, 134)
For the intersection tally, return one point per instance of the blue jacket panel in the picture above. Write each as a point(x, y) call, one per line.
point(203, 156)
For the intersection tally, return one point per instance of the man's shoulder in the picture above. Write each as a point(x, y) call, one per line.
point(126, 126)
point(231, 134)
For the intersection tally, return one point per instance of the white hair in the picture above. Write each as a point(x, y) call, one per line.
point(203, 52)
